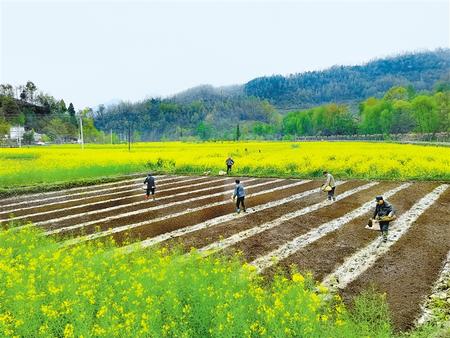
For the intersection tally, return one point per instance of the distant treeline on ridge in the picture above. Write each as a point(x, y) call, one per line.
point(401, 94)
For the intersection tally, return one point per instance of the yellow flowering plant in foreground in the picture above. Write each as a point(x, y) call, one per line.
point(91, 290)
point(35, 165)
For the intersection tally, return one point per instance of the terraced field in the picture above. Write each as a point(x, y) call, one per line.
point(288, 223)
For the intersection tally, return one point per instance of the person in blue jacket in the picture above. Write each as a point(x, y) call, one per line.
point(239, 193)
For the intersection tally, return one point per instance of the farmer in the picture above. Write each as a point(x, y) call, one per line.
point(229, 162)
point(150, 181)
point(329, 186)
point(384, 212)
point(239, 192)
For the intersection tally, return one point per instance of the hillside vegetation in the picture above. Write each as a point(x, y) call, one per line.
point(407, 93)
point(402, 94)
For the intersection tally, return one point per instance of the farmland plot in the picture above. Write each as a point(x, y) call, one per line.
point(287, 223)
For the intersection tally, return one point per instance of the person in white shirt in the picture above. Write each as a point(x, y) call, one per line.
point(329, 182)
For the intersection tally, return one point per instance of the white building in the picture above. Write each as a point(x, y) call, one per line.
point(16, 132)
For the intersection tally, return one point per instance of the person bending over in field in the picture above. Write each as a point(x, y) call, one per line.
point(150, 181)
point(329, 186)
point(229, 162)
point(384, 213)
point(239, 193)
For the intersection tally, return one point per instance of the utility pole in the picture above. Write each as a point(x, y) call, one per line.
point(110, 133)
point(129, 137)
point(81, 133)
point(19, 134)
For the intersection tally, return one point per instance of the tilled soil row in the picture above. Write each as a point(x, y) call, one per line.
point(208, 212)
point(203, 237)
point(129, 179)
point(322, 256)
point(206, 236)
point(271, 239)
point(407, 272)
point(100, 203)
point(149, 210)
point(137, 203)
point(66, 202)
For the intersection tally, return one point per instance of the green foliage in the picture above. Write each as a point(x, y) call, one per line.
point(91, 290)
point(371, 312)
point(9, 109)
point(325, 120)
point(425, 113)
point(28, 137)
point(352, 83)
point(4, 127)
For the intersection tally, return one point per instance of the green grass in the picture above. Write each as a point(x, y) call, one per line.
point(89, 291)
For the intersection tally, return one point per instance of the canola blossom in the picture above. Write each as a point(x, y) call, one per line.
point(363, 160)
point(91, 290)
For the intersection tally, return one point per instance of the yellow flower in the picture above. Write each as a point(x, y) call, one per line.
point(298, 278)
point(322, 288)
point(102, 311)
point(68, 331)
point(339, 322)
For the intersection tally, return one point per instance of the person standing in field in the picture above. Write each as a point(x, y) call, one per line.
point(329, 186)
point(239, 193)
point(150, 181)
point(229, 162)
point(384, 213)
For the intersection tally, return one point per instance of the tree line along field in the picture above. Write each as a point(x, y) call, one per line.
point(68, 164)
point(55, 244)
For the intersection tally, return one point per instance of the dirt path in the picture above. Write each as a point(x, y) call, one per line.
point(407, 272)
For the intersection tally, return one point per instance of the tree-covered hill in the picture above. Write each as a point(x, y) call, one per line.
point(406, 93)
point(352, 83)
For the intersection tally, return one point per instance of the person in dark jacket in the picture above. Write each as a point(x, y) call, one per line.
point(150, 181)
point(239, 193)
point(229, 162)
point(384, 212)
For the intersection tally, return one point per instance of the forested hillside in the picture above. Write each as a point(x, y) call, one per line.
point(391, 95)
point(407, 93)
point(352, 83)
point(41, 113)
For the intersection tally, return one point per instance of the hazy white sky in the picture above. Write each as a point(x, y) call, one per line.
point(91, 52)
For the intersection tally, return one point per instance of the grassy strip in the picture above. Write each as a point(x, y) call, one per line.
point(50, 291)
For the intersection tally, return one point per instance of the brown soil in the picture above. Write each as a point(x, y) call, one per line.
point(273, 238)
point(171, 224)
point(81, 207)
point(324, 255)
point(65, 193)
point(141, 217)
point(65, 201)
point(204, 237)
point(407, 272)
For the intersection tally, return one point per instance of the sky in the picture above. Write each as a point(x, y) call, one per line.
point(92, 52)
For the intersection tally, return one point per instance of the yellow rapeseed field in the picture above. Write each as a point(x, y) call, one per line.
point(32, 165)
point(91, 290)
